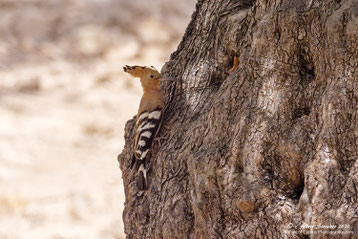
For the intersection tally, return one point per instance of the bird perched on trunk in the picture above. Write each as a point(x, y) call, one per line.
point(148, 119)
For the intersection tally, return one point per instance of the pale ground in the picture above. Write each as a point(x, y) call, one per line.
point(64, 101)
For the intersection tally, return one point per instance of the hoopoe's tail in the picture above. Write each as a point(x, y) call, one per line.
point(142, 177)
point(139, 166)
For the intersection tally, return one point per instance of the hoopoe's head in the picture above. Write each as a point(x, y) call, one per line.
point(149, 76)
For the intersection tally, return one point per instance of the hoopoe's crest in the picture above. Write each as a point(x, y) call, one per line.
point(149, 76)
point(148, 118)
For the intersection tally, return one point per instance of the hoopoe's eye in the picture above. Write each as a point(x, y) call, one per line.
point(151, 76)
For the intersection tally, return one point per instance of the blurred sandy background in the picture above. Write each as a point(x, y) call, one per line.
point(64, 101)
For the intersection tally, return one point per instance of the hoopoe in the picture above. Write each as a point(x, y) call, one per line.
point(148, 119)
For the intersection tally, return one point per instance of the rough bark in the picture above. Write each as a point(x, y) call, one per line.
point(269, 151)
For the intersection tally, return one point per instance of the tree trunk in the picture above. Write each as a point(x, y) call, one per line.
point(268, 151)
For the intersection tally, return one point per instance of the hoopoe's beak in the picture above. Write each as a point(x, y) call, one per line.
point(169, 78)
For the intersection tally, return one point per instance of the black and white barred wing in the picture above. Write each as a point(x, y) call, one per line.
point(147, 125)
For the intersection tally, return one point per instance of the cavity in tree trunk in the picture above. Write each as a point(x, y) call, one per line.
point(268, 151)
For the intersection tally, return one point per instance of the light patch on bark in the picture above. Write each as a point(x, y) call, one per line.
point(269, 96)
point(268, 64)
point(251, 154)
point(326, 155)
point(195, 83)
point(229, 175)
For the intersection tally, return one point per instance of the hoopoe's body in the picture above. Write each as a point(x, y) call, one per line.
point(148, 118)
